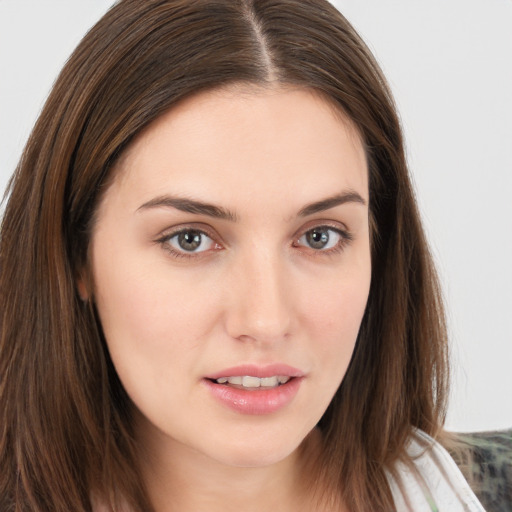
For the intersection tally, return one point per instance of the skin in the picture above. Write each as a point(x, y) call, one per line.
point(255, 291)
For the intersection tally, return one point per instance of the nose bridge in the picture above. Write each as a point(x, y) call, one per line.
point(261, 306)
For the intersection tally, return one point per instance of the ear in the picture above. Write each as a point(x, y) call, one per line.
point(82, 287)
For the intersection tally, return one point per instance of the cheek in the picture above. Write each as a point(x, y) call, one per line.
point(334, 315)
point(151, 323)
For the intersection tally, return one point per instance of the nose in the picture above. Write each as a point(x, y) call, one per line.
point(260, 302)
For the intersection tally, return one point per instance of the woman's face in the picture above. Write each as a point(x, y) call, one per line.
point(231, 269)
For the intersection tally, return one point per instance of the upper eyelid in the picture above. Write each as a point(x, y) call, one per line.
point(207, 230)
point(343, 233)
point(340, 227)
point(176, 230)
point(163, 240)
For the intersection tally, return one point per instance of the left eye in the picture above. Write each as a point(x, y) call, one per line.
point(321, 238)
point(191, 240)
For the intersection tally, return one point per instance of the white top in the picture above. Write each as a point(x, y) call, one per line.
point(434, 483)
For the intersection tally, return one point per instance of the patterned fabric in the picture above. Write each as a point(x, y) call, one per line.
point(489, 468)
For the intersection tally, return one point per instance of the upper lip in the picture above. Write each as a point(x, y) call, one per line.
point(276, 369)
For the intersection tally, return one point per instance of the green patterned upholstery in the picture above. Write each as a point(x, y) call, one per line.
point(488, 468)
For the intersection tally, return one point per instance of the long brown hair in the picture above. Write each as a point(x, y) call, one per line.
point(65, 421)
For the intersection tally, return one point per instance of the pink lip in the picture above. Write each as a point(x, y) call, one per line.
point(257, 371)
point(257, 401)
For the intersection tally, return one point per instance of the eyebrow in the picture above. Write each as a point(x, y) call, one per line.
point(331, 202)
point(190, 206)
point(217, 212)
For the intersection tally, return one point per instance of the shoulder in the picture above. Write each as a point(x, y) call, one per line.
point(429, 480)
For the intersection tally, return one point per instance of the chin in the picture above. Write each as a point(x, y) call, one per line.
point(254, 451)
point(254, 458)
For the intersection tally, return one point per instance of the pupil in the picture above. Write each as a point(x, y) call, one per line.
point(317, 239)
point(189, 240)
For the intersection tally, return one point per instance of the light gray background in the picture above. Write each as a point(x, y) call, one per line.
point(449, 63)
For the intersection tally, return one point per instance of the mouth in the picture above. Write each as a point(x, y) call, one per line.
point(256, 390)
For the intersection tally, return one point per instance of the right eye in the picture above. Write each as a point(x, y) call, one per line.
point(187, 242)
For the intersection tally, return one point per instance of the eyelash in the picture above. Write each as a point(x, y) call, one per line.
point(164, 241)
point(345, 239)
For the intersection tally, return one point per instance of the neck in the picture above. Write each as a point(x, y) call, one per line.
point(179, 478)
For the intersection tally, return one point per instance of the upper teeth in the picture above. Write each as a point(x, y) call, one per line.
point(247, 381)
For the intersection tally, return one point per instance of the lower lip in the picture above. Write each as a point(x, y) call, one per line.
point(257, 401)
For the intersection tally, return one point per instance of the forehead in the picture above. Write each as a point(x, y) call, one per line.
point(249, 141)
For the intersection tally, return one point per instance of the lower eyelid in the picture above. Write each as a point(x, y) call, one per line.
point(345, 238)
point(176, 252)
point(175, 237)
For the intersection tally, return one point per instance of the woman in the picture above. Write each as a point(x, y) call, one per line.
point(216, 292)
